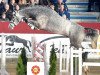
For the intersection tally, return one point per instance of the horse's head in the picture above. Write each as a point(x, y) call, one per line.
point(15, 20)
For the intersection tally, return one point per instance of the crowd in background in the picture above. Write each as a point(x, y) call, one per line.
point(8, 7)
point(95, 4)
point(61, 8)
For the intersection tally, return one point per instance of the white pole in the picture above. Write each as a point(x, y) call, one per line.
point(3, 55)
point(33, 46)
point(71, 71)
point(45, 62)
point(60, 55)
point(80, 61)
point(68, 57)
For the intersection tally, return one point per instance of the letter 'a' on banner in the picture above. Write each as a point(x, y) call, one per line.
point(35, 68)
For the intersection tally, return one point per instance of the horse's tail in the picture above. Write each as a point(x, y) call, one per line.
point(91, 32)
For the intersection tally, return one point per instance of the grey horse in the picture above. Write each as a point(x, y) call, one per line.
point(42, 17)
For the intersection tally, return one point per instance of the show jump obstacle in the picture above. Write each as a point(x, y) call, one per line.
point(78, 53)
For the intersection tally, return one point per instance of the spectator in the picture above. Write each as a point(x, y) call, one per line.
point(21, 2)
point(61, 1)
point(90, 4)
point(32, 2)
point(37, 2)
point(16, 1)
point(8, 12)
point(57, 3)
point(17, 8)
point(12, 5)
point(2, 7)
point(6, 7)
point(97, 5)
point(44, 2)
point(52, 6)
point(2, 1)
point(3, 17)
point(63, 12)
point(53, 1)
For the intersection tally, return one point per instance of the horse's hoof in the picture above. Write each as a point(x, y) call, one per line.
point(32, 27)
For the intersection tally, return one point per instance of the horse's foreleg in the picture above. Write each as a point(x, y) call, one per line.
point(33, 24)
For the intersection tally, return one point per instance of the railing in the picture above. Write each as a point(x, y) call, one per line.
point(78, 53)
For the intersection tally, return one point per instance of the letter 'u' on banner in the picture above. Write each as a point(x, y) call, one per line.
point(35, 68)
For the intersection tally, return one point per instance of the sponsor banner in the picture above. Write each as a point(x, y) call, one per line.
point(59, 41)
point(35, 68)
point(15, 43)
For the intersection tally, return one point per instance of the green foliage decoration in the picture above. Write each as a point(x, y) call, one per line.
point(22, 63)
point(53, 62)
